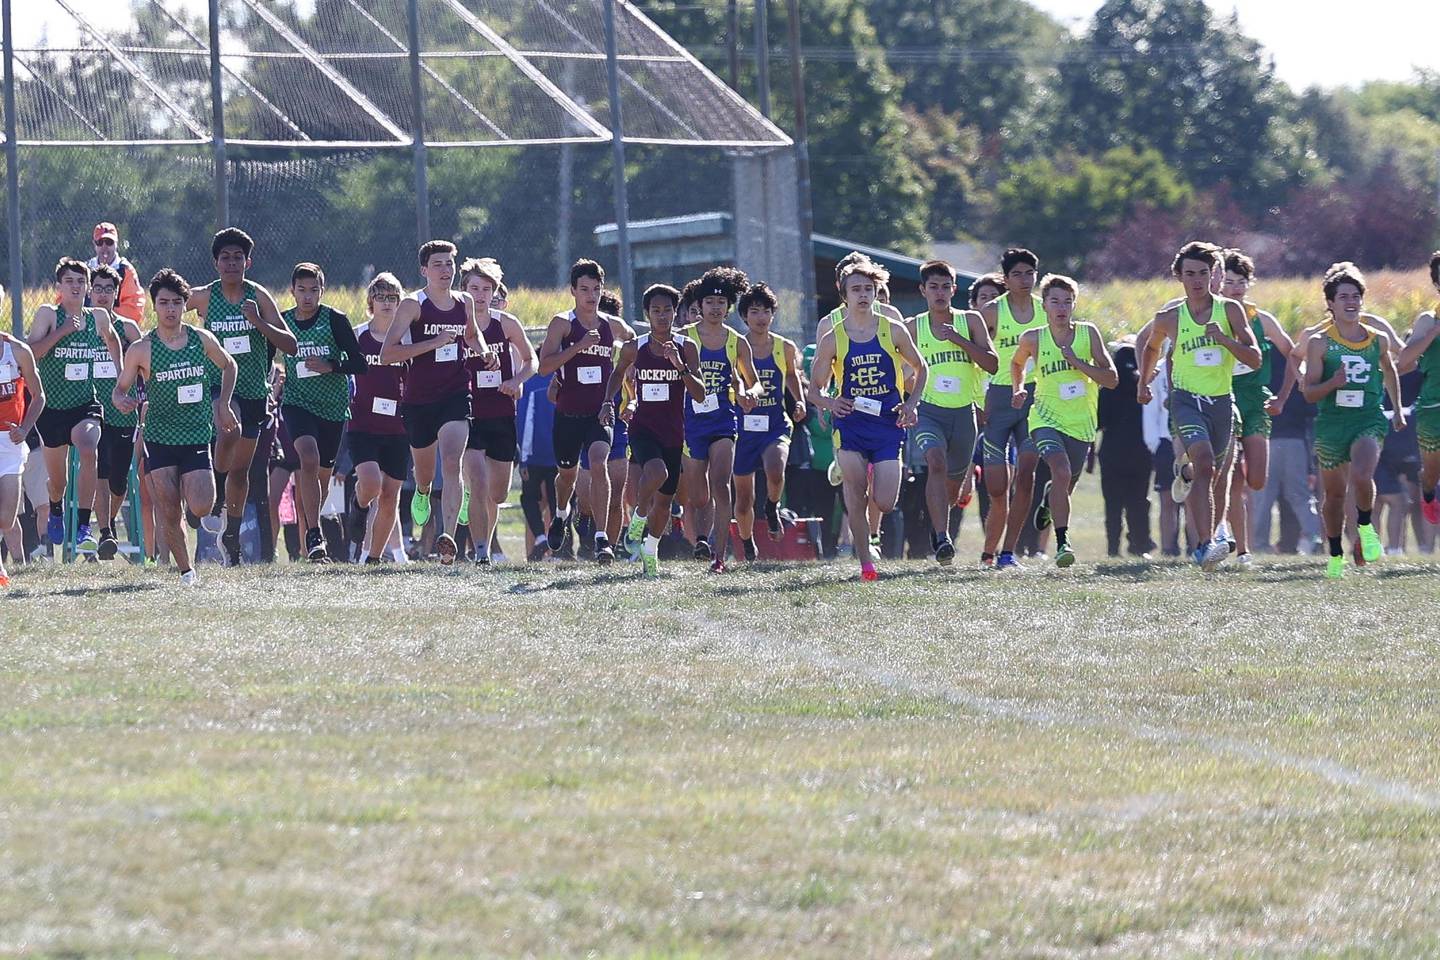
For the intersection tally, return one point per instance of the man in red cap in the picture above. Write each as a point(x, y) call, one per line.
point(130, 301)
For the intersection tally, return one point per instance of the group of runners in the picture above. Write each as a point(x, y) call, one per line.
point(695, 408)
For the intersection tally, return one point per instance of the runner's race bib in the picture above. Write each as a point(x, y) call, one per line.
point(868, 405)
point(487, 379)
point(1073, 390)
point(1242, 368)
point(383, 406)
point(756, 423)
point(303, 371)
point(652, 392)
point(77, 371)
point(236, 345)
point(447, 353)
point(588, 374)
point(710, 404)
point(1350, 398)
point(1207, 357)
point(103, 370)
point(190, 393)
point(947, 384)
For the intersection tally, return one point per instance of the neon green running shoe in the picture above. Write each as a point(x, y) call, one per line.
point(420, 508)
point(1065, 556)
point(635, 535)
point(464, 517)
point(1370, 547)
point(1335, 568)
point(650, 565)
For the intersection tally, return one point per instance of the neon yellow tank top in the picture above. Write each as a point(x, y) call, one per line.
point(1065, 399)
point(1199, 364)
point(953, 375)
point(1008, 331)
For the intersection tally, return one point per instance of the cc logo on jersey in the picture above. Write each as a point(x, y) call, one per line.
point(1357, 369)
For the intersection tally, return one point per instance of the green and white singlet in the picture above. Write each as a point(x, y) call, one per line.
point(246, 345)
point(327, 395)
point(177, 393)
point(67, 371)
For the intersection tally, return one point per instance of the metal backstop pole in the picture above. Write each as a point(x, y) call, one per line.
point(12, 183)
point(617, 133)
point(217, 123)
point(417, 129)
point(802, 166)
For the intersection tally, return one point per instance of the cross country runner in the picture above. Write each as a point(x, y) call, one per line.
point(378, 444)
point(764, 442)
point(317, 393)
point(176, 359)
point(490, 452)
point(1423, 348)
point(116, 453)
point(1008, 317)
point(1202, 329)
point(728, 369)
point(66, 338)
point(17, 418)
point(667, 368)
point(956, 345)
point(579, 344)
point(1341, 362)
point(242, 315)
point(866, 353)
point(1070, 362)
point(428, 331)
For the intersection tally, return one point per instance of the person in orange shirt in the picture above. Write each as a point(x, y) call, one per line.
point(17, 419)
point(130, 300)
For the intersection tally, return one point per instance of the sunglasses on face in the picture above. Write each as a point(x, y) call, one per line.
point(107, 242)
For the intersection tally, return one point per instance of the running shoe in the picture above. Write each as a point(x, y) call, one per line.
point(1007, 561)
point(372, 561)
point(702, 549)
point(585, 537)
point(834, 475)
point(944, 551)
point(1180, 486)
point(874, 541)
point(1065, 556)
point(420, 508)
point(465, 506)
point(555, 536)
point(189, 578)
point(868, 572)
point(635, 536)
point(4, 582)
point(1369, 543)
point(85, 540)
point(773, 526)
point(445, 549)
point(537, 552)
point(651, 565)
point(1246, 560)
point(718, 566)
point(315, 547)
point(748, 548)
point(1430, 510)
point(1335, 568)
point(604, 553)
point(482, 561)
point(212, 523)
point(1216, 553)
point(230, 542)
point(987, 563)
point(55, 530)
point(1042, 509)
point(109, 546)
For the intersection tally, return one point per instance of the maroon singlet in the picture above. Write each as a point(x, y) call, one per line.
point(583, 377)
point(659, 394)
point(486, 400)
point(378, 391)
point(430, 378)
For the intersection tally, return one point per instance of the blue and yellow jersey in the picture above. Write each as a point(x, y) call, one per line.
point(771, 369)
point(870, 371)
point(718, 371)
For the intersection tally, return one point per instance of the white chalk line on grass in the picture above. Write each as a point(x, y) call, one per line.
point(1392, 791)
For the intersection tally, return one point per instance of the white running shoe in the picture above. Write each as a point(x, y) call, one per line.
point(1215, 554)
point(189, 578)
point(1245, 560)
point(1180, 486)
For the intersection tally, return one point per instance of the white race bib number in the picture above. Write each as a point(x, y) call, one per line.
point(710, 404)
point(8, 372)
point(1073, 390)
point(190, 393)
point(947, 384)
point(756, 423)
point(1207, 357)
point(487, 379)
point(868, 405)
point(77, 371)
point(1350, 398)
point(1242, 368)
point(236, 345)
point(588, 374)
point(303, 371)
point(448, 353)
point(104, 370)
point(654, 392)
point(383, 406)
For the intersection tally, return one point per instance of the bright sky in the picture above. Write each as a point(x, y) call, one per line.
point(1325, 43)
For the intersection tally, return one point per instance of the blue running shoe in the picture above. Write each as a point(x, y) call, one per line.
point(55, 530)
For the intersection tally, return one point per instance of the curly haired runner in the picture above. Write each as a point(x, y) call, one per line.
point(1340, 366)
point(727, 366)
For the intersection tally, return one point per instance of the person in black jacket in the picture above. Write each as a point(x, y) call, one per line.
point(1125, 460)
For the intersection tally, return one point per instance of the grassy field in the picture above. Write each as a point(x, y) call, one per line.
point(1124, 759)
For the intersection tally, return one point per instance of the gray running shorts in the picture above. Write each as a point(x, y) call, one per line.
point(1049, 441)
point(950, 429)
point(1005, 425)
point(1195, 419)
